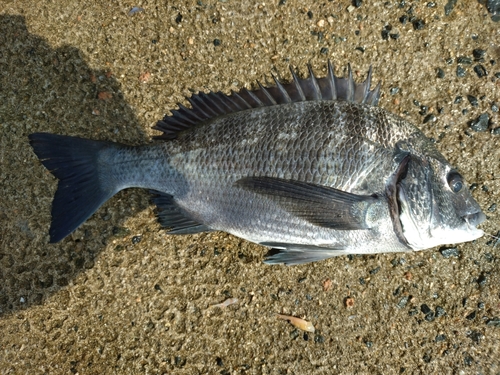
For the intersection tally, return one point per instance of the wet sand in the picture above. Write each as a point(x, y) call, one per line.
point(121, 296)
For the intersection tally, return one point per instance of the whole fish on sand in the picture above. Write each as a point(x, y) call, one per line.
point(312, 169)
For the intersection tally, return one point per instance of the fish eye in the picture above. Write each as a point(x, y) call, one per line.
point(455, 181)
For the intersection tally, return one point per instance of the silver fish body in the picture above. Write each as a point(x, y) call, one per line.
point(313, 169)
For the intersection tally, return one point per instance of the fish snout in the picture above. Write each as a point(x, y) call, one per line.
point(475, 219)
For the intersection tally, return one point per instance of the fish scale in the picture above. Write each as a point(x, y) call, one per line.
point(312, 169)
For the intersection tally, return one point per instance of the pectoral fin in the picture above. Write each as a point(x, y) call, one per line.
point(320, 205)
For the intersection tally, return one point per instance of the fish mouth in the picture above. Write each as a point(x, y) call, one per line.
point(475, 218)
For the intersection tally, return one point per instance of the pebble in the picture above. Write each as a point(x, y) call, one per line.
point(492, 208)
point(480, 124)
point(440, 338)
point(449, 252)
point(418, 24)
point(480, 71)
point(472, 100)
point(471, 316)
point(478, 53)
point(440, 73)
point(430, 117)
point(458, 100)
point(425, 309)
point(464, 60)
point(440, 311)
point(460, 71)
point(495, 322)
point(494, 107)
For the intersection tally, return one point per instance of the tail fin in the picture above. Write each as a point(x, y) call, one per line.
point(74, 161)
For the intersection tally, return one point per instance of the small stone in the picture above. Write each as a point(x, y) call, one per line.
point(460, 71)
point(324, 51)
point(440, 338)
point(425, 309)
point(480, 71)
point(492, 208)
point(430, 316)
point(402, 302)
point(357, 3)
point(440, 311)
point(475, 336)
point(468, 359)
point(418, 24)
point(494, 107)
point(480, 124)
point(178, 19)
point(217, 42)
point(423, 110)
point(403, 19)
point(481, 280)
point(495, 322)
point(136, 239)
point(472, 100)
point(471, 316)
point(448, 8)
point(478, 53)
point(310, 15)
point(440, 73)
point(458, 100)
point(464, 60)
point(318, 339)
point(394, 90)
point(448, 252)
point(430, 117)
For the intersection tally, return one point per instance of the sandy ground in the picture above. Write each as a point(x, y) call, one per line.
point(120, 296)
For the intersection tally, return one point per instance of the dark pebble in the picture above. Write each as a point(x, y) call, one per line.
point(219, 362)
point(475, 336)
point(394, 36)
point(324, 51)
point(431, 4)
point(494, 322)
point(478, 53)
point(394, 90)
point(440, 73)
point(157, 287)
point(294, 334)
point(485, 188)
point(448, 252)
point(179, 361)
point(318, 339)
point(430, 117)
point(496, 131)
point(458, 100)
point(416, 102)
point(497, 74)
point(465, 111)
point(413, 312)
point(448, 8)
point(357, 3)
point(472, 100)
point(402, 302)
point(369, 344)
point(471, 316)
point(449, 61)
point(217, 42)
point(362, 49)
point(493, 207)
point(374, 271)
point(310, 15)
point(430, 316)
point(464, 60)
point(423, 110)
point(178, 19)
point(282, 2)
point(362, 281)
point(427, 358)
point(481, 280)
point(440, 311)
point(418, 24)
point(136, 239)
point(480, 71)
point(306, 336)
point(468, 359)
point(460, 71)
point(403, 19)
point(494, 107)
point(440, 338)
point(385, 34)
point(425, 309)
point(480, 305)
point(464, 301)
point(481, 123)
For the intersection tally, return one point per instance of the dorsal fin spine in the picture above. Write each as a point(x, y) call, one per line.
point(208, 106)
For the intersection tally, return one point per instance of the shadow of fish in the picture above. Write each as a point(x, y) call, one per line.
point(312, 169)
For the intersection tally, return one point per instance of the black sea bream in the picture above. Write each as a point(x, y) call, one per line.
point(312, 169)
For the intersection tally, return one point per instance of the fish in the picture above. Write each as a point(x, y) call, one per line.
point(300, 323)
point(312, 169)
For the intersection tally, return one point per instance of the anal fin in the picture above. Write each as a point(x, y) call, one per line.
point(173, 217)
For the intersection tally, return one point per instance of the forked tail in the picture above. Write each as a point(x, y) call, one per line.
point(81, 190)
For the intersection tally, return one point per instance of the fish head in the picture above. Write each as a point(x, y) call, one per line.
point(435, 205)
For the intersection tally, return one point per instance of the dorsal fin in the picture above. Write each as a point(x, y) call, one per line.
point(214, 104)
